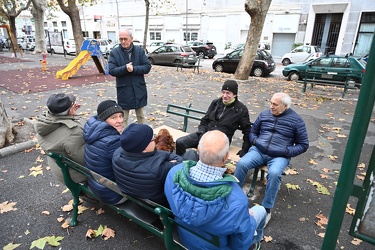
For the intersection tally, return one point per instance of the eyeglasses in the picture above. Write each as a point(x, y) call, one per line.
point(124, 39)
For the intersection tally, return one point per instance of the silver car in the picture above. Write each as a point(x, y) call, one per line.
point(173, 54)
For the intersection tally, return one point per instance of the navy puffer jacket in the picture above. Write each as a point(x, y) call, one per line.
point(101, 141)
point(142, 175)
point(280, 136)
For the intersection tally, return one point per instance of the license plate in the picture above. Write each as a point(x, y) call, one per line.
point(191, 56)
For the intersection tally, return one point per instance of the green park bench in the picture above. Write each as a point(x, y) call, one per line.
point(310, 78)
point(143, 212)
point(182, 64)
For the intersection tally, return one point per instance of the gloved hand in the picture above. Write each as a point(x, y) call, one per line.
point(241, 152)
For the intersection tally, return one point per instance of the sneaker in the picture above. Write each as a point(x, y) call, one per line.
point(255, 246)
point(267, 219)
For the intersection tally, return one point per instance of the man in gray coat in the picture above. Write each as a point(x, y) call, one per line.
point(59, 131)
point(129, 63)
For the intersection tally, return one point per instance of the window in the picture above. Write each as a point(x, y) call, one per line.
point(54, 24)
point(194, 36)
point(154, 35)
point(63, 23)
point(340, 63)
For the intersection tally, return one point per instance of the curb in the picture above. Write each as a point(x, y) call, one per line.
point(18, 147)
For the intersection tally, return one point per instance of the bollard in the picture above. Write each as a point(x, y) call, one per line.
point(43, 62)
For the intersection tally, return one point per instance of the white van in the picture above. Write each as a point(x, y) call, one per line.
point(69, 47)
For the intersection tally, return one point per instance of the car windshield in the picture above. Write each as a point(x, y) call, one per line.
point(317, 49)
point(265, 54)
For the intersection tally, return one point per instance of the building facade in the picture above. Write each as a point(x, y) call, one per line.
point(336, 26)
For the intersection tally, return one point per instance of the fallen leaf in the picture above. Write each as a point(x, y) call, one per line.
point(321, 235)
point(349, 209)
point(90, 233)
point(324, 176)
point(81, 209)
point(332, 157)
point(313, 162)
point(60, 219)
point(108, 233)
point(11, 246)
point(361, 177)
point(267, 238)
point(356, 241)
point(27, 232)
point(292, 186)
point(292, 171)
point(67, 208)
point(326, 170)
point(65, 224)
point(46, 212)
point(100, 211)
point(7, 207)
point(341, 136)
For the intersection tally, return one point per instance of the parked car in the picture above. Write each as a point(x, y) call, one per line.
point(263, 63)
point(303, 53)
point(26, 42)
point(203, 50)
point(264, 46)
point(331, 67)
point(171, 54)
point(69, 47)
point(105, 46)
point(153, 46)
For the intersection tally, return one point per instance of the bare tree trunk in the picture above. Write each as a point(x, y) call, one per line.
point(38, 15)
point(73, 12)
point(6, 128)
point(258, 11)
point(147, 3)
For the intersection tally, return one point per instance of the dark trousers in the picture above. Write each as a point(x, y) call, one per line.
point(187, 141)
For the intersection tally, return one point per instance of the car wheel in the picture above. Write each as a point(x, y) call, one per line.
point(52, 51)
point(285, 61)
point(219, 67)
point(201, 54)
point(210, 57)
point(177, 61)
point(151, 60)
point(293, 76)
point(258, 71)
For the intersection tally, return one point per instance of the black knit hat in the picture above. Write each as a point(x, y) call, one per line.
point(58, 103)
point(107, 108)
point(230, 85)
point(136, 137)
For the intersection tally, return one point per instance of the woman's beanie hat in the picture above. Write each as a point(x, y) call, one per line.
point(108, 108)
point(230, 85)
point(58, 103)
point(136, 137)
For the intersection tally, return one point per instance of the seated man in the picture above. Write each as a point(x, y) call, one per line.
point(226, 114)
point(205, 200)
point(140, 169)
point(102, 136)
point(277, 135)
point(59, 131)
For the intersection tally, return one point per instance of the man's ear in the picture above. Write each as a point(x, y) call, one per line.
point(226, 157)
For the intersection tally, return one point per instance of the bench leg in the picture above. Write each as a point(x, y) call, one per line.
point(74, 220)
point(253, 182)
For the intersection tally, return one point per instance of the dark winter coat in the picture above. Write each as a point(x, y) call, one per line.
point(131, 85)
point(142, 175)
point(101, 141)
point(227, 119)
point(280, 136)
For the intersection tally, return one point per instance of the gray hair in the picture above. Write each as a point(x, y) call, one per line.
point(286, 100)
point(213, 147)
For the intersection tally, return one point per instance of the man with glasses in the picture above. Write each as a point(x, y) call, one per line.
point(58, 130)
point(129, 63)
point(278, 134)
point(226, 114)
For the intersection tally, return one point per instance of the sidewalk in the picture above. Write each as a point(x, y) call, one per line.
point(327, 117)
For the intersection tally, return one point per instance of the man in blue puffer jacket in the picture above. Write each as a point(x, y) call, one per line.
point(102, 137)
point(207, 201)
point(277, 135)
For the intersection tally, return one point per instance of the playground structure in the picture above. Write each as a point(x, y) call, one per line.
point(89, 48)
point(13, 40)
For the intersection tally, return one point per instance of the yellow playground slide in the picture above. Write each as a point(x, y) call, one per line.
point(73, 66)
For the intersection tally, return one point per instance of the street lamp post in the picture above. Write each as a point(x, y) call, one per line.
point(186, 32)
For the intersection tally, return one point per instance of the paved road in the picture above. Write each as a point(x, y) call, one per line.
point(328, 120)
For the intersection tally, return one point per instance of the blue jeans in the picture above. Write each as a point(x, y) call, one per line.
point(260, 215)
point(254, 158)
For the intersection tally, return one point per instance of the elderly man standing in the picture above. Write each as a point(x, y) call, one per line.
point(129, 63)
point(277, 135)
point(206, 200)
